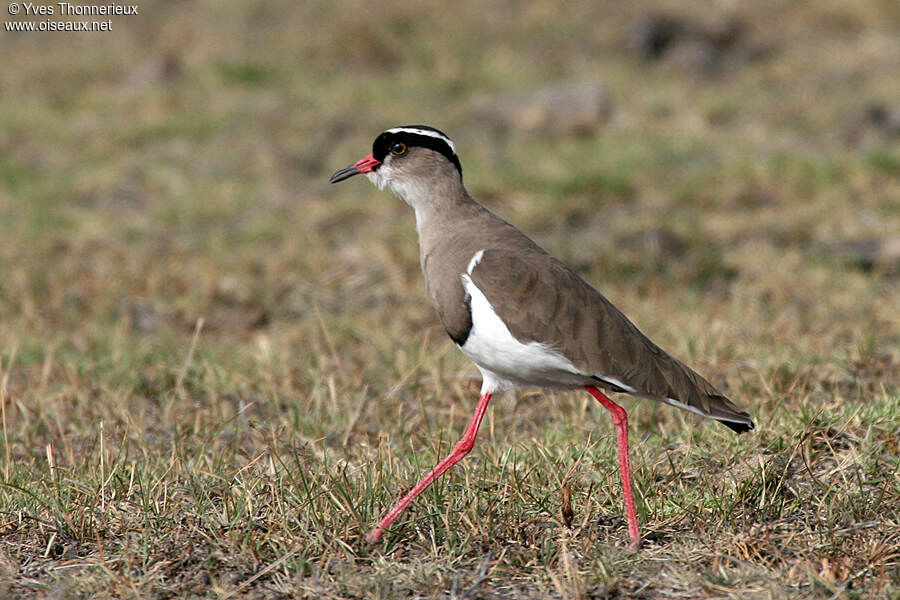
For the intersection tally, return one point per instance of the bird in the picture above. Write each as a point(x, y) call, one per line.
point(522, 316)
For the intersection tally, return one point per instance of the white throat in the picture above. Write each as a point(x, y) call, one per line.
point(412, 190)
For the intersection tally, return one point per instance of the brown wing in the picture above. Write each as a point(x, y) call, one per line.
point(540, 299)
point(450, 298)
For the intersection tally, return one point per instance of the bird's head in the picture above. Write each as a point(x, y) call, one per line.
point(411, 161)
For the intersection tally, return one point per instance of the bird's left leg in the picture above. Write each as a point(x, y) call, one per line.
point(462, 448)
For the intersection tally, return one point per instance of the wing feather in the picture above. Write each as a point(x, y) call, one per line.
point(541, 299)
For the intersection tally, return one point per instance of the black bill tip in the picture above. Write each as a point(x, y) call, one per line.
point(343, 174)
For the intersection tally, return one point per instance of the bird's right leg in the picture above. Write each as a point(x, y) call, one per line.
point(463, 447)
point(620, 420)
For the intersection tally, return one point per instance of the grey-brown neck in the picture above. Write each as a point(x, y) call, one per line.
point(436, 193)
point(437, 205)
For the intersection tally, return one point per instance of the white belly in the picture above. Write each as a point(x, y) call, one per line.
point(504, 361)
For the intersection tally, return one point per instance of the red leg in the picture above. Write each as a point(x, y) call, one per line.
point(462, 448)
point(620, 420)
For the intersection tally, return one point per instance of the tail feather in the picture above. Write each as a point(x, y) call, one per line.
point(738, 427)
point(666, 379)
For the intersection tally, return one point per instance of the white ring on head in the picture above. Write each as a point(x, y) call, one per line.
point(427, 132)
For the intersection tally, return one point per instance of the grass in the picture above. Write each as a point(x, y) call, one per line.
point(217, 372)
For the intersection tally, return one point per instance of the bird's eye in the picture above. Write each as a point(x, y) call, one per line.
point(398, 149)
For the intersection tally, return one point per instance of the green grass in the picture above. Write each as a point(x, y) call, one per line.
point(176, 169)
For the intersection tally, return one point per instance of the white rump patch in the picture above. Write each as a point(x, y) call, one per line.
point(503, 360)
point(427, 132)
point(683, 406)
point(617, 383)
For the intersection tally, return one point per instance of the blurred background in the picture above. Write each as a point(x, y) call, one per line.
point(177, 166)
point(728, 173)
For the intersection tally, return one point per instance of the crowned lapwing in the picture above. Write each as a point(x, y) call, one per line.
point(522, 316)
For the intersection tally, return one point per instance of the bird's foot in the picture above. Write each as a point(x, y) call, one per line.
point(374, 536)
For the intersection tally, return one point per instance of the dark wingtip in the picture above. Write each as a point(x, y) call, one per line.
point(738, 427)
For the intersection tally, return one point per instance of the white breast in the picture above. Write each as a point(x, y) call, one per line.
point(503, 360)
